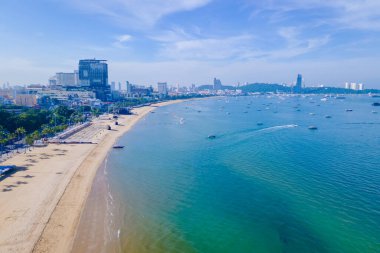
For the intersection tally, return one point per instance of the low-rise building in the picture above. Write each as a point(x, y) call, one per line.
point(29, 100)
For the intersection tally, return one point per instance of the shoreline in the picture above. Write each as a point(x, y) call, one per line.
point(101, 205)
point(95, 230)
point(51, 239)
point(41, 203)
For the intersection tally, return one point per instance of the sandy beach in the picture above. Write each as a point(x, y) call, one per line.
point(42, 201)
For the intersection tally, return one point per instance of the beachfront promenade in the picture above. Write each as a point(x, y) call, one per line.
point(42, 199)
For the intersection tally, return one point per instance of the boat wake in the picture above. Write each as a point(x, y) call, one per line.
point(244, 135)
point(275, 128)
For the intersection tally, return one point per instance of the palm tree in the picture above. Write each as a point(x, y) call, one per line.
point(11, 139)
point(5, 137)
point(29, 140)
point(20, 132)
point(36, 135)
point(47, 131)
point(3, 141)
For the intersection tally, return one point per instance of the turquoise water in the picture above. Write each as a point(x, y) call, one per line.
point(277, 187)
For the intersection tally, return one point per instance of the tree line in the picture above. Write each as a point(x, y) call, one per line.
point(33, 124)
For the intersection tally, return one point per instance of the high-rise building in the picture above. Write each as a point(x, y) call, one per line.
point(76, 77)
point(193, 88)
point(298, 86)
point(354, 86)
point(162, 88)
point(94, 75)
point(119, 84)
point(52, 81)
point(129, 87)
point(113, 86)
point(217, 84)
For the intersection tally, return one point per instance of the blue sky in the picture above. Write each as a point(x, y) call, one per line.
point(192, 41)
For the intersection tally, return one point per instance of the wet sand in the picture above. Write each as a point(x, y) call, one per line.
point(42, 201)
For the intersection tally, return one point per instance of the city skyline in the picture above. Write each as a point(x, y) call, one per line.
point(189, 42)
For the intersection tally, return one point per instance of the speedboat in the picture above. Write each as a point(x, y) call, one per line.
point(349, 110)
point(118, 146)
point(328, 117)
point(211, 136)
point(313, 128)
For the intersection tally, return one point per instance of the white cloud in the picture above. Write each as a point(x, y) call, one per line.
point(296, 45)
point(357, 14)
point(124, 38)
point(121, 41)
point(207, 48)
point(137, 12)
point(180, 45)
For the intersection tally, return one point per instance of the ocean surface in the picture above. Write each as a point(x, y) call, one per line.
point(271, 187)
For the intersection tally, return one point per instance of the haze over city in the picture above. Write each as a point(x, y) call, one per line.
point(185, 42)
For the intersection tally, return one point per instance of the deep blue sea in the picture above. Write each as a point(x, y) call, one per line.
point(271, 187)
